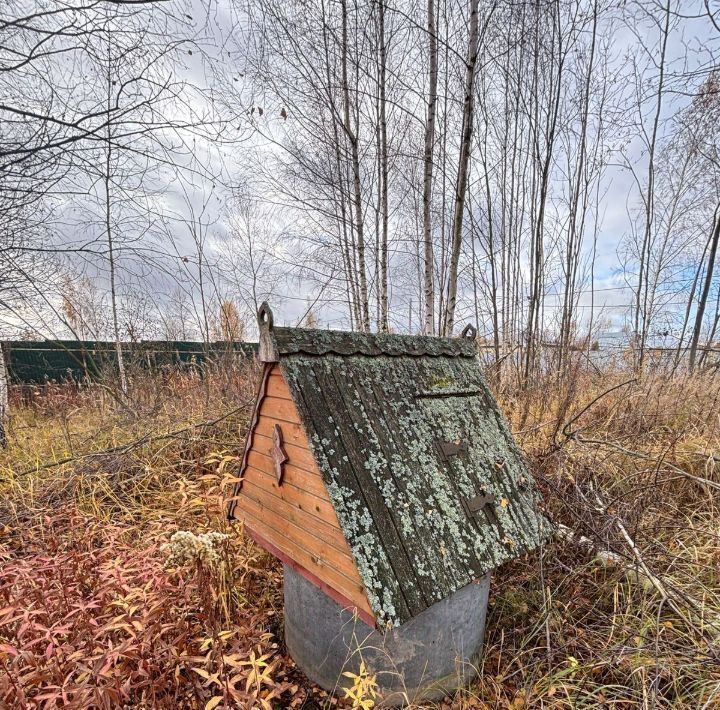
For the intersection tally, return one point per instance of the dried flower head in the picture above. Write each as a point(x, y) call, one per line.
point(187, 548)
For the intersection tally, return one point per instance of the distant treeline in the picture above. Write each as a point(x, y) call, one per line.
point(37, 362)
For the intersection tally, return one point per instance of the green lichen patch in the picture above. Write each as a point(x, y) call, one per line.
point(441, 383)
point(401, 502)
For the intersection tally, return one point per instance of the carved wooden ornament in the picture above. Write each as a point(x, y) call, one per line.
point(278, 454)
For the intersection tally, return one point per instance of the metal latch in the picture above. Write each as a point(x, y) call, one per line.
point(452, 448)
point(478, 503)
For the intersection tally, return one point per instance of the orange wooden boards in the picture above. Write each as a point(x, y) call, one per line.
point(296, 518)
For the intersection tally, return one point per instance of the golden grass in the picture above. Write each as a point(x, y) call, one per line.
point(590, 634)
point(567, 628)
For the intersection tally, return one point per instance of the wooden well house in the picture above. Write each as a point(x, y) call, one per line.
point(381, 471)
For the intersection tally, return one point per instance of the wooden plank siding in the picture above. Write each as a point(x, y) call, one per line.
point(296, 518)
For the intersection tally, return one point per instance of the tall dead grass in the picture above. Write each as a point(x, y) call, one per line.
point(97, 609)
point(622, 612)
point(631, 468)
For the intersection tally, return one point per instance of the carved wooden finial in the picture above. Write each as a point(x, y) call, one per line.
point(469, 332)
point(265, 316)
point(268, 350)
point(278, 454)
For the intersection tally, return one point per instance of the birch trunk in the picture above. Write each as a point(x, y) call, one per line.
point(357, 189)
point(576, 231)
point(429, 289)
point(463, 168)
point(383, 326)
point(345, 245)
point(702, 303)
point(110, 241)
point(641, 297)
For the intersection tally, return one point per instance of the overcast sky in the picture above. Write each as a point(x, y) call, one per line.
point(225, 35)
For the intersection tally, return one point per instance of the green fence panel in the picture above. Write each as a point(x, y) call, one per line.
point(38, 362)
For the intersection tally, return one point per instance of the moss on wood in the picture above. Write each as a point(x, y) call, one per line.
point(375, 409)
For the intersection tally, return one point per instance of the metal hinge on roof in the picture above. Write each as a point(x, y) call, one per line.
point(478, 503)
point(452, 448)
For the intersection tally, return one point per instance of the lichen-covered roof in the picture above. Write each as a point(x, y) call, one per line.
point(323, 342)
point(410, 442)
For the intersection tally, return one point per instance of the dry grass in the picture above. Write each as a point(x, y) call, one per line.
point(567, 629)
point(91, 615)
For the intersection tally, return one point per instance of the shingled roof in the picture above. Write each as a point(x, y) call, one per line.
point(430, 489)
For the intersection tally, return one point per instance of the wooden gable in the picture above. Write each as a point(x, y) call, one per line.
point(294, 519)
